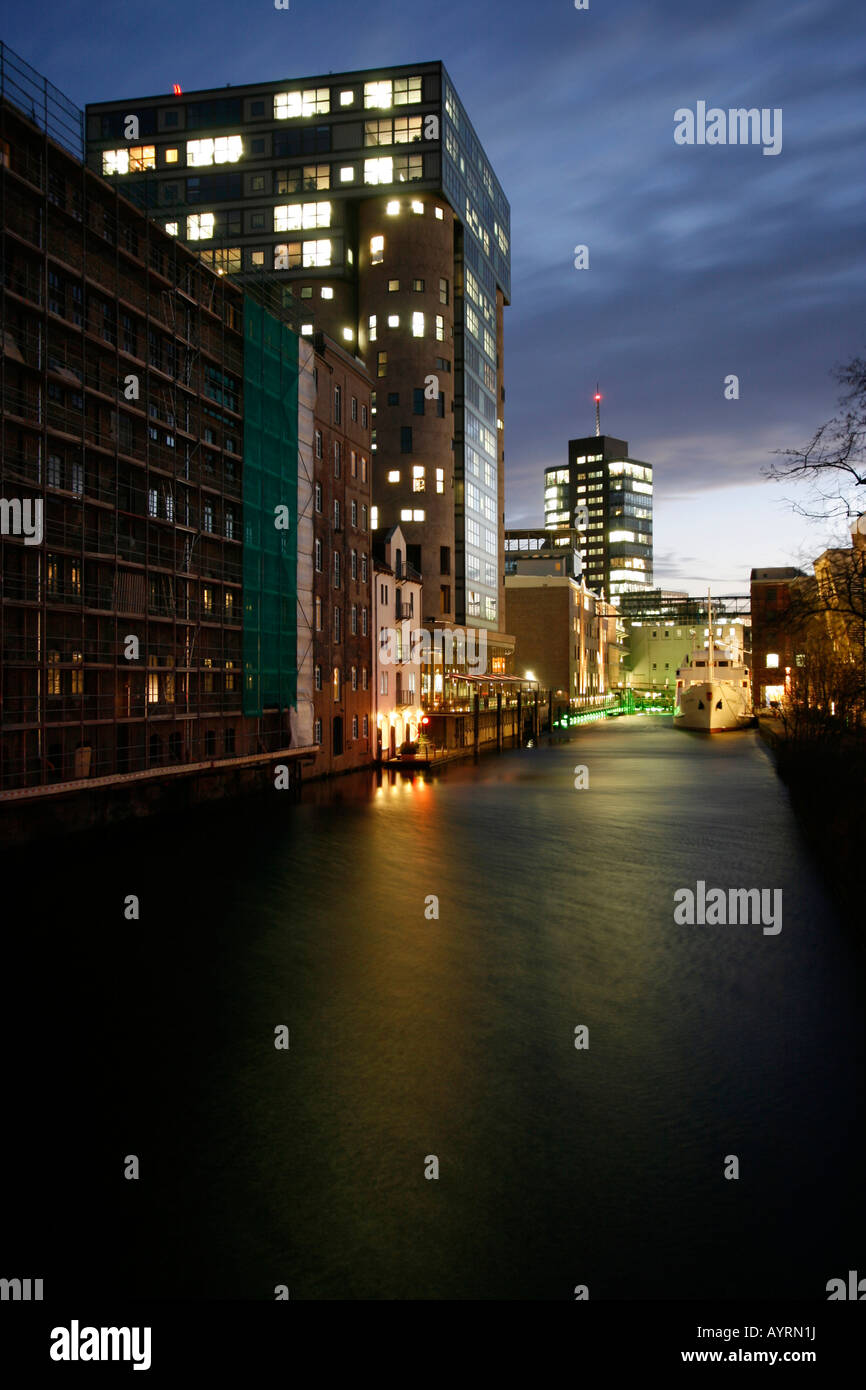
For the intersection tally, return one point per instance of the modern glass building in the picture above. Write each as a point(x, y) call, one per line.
point(368, 196)
point(616, 491)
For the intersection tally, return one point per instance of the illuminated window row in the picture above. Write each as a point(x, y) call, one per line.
point(404, 168)
point(313, 101)
point(295, 216)
point(401, 91)
point(393, 207)
point(131, 160)
point(403, 130)
point(305, 253)
point(222, 149)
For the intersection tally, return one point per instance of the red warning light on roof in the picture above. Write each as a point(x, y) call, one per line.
point(177, 89)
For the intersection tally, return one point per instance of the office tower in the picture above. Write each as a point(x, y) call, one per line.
point(155, 416)
point(616, 491)
point(368, 198)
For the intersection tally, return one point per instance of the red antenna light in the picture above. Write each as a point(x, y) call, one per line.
point(177, 89)
point(597, 396)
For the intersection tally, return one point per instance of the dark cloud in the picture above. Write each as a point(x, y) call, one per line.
point(703, 261)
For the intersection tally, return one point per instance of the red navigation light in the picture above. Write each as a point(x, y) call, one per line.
point(177, 89)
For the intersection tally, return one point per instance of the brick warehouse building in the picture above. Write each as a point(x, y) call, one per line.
point(158, 414)
point(367, 198)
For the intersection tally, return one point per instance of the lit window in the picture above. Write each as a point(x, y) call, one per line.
point(347, 98)
point(440, 479)
point(348, 335)
point(347, 173)
point(408, 167)
point(141, 157)
point(306, 329)
point(417, 207)
point(199, 226)
point(439, 213)
point(171, 156)
point(417, 324)
point(440, 328)
point(297, 215)
point(394, 475)
point(172, 228)
point(377, 250)
point(381, 364)
point(418, 515)
point(393, 320)
point(317, 253)
point(406, 514)
point(378, 94)
point(372, 328)
point(258, 258)
point(327, 292)
point(407, 90)
point(419, 483)
point(392, 208)
point(379, 170)
point(115, 161)
point(772, 658)
point(224, 149)
point(287, 255)
point(314, 101)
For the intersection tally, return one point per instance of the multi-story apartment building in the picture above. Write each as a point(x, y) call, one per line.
point(158, 422)
point(616, 490)
point(565, 635)
point(342, 563)
point(398, 647)
point(368, 197)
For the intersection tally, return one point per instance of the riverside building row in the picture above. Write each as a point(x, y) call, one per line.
point(198, 589)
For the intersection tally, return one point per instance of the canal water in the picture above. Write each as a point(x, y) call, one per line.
point(413, 1035)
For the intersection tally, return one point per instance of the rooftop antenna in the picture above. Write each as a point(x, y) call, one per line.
point(597, 412)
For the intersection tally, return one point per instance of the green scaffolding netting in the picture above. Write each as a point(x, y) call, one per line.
point(270, 480)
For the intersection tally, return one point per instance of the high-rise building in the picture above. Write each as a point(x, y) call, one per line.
point(368, 197)
point(616, 491)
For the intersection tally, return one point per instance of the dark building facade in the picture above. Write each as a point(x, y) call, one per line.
point(368, 197)
point(776, 630)
point(616, 490)
point(153, 619)
point(342, 572)
point(534, 550)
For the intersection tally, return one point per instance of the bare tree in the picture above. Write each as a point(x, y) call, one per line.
point(833, 463)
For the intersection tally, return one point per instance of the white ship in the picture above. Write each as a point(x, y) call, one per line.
point(713, 689)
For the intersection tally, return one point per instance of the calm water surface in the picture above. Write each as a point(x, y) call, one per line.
point(453, 1037)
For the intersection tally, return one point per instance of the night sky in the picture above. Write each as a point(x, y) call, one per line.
point(704, 260)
